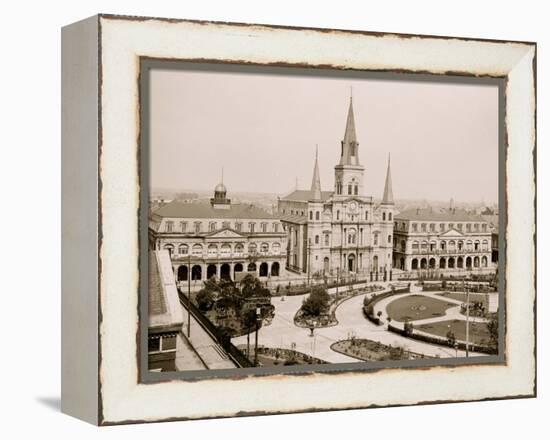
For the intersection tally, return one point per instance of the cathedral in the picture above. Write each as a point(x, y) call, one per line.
point(341, 231)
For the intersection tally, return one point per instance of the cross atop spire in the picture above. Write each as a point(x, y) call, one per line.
point(316, 180)
point(387, 198)
point(349, 154)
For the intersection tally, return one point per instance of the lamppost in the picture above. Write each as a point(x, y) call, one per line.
point(308, 260)
point(189, 296)
point(467, 292)
point(258, 317)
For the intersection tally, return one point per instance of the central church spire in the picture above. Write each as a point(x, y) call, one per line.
point(350, 150)
point(348, 173)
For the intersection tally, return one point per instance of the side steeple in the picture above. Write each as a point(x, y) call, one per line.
point(316, 180)
point(387, 198)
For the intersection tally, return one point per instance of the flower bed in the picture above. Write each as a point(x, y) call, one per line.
point(368, 350)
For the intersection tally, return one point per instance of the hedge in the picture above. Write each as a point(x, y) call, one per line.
point(439, 341)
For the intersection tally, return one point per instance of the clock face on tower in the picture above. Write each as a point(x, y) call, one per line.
point(353, 206)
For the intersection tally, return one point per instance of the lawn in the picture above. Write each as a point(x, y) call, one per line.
point(478, 330)
point(461, 296)
point(414, 307)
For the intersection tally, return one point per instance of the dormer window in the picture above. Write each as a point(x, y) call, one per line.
point(169, 226)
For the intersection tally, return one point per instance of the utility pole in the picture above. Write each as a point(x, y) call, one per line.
point(189, 297)
point(308, 260)
point(258, 311)
point(467, 292)
point(467, 321)
point(337, 279)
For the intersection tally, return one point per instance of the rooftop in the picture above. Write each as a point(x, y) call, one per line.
point(304, 195)
point(431, 214)
point(164, 309)
point(177, 209)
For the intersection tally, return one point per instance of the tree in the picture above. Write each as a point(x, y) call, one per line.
point(205, 299)
point(316, 303)
point(249, 323)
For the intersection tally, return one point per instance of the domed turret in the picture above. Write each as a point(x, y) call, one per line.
point(220, 199)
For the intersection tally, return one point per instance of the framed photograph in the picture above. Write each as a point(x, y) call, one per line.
point(262, 219)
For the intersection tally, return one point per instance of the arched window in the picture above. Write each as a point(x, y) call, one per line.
point(212, 250)
point(264, 248)
point(352, 236)
point(389, 216)
point(415, 246)
point(338, 214)
point(225, 250)
point(239, 248)
point(349, 190)
point(197, 250)
point(183, 249)
point(485, 245)
point(212, 226)
point(317, 215)
point(375, 239)
point(311, 215)
point(327, 238)
point(252, 248)
point(356, 190)
point(316, 239)
point(276, 247)
point(383, 216)
point(366, 215)
point(476, 245)
point(389, 238)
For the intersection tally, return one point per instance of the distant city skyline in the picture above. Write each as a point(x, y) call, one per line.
point(263, 130)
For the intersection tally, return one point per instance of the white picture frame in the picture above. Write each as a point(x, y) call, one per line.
point(101, 380)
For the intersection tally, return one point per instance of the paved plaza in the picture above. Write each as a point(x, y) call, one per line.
point(283, 333)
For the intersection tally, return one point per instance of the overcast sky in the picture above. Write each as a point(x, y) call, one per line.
point(262, 129)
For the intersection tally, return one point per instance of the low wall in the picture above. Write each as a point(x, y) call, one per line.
point(441, 341)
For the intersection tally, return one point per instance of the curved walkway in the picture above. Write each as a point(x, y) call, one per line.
point(283, 333)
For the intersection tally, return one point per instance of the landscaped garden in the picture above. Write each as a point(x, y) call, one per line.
point(416, 307)
point(233, 309)
point(461, 296)
point(368, 350)
point(479, 333)
point(319, 307)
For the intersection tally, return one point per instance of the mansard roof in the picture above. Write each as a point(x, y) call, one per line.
point(176, 209)
point(304, 195)
point(431, 214)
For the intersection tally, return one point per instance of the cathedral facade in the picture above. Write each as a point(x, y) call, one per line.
point(342, 231)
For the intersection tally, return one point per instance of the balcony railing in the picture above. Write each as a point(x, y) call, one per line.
point(219, 256)
point(444, 251)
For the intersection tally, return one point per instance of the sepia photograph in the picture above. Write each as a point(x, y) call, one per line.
point(317, 218)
